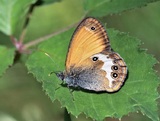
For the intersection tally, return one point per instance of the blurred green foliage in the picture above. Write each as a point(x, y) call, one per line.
point(22, 98)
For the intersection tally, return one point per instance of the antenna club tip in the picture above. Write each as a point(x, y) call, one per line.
point(47, 54)
point(51, 73)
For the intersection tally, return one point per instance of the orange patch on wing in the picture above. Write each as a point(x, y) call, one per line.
point(89, 38)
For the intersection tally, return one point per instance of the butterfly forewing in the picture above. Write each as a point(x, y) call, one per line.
point(89, 38)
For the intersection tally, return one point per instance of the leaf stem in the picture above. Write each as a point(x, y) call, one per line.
point(22, 36)
point(41, 39)
point(67, 116)
point(13, 39)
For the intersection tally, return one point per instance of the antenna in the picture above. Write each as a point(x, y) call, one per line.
point(55, 64)
point(49, 56)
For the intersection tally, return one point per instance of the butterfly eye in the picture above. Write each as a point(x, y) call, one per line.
point(114, 75)
point(114, 67)
point(93, 28)
point(95, 58)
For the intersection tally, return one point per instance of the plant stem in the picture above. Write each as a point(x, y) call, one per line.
point(67, 116)
point(41, 39)
point(22, 36)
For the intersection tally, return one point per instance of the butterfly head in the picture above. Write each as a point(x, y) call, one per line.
point(68, 78)
point(60, 75)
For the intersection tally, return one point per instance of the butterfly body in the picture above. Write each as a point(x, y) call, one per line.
point(90, 63)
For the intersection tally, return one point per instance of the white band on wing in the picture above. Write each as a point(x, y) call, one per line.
point(108, 63)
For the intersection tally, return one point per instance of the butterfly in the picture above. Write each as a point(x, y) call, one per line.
point(90, 63)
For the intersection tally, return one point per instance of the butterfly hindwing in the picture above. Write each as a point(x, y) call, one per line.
point(114, 69)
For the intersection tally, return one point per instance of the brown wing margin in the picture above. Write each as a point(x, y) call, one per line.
point(89, 38)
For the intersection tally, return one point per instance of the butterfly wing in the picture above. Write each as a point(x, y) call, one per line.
point(111, 69)
point(90, 62)
point(89, 38)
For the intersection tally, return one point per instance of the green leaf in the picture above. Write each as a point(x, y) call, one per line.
point(6, 58)
point(105, 7)
point(139, 92)
point(13, 14)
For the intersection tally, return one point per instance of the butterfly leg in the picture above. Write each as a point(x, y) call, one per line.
point(71, 92)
